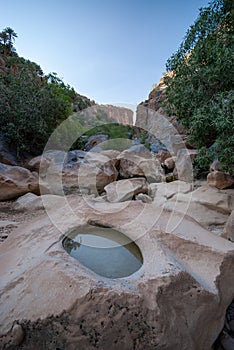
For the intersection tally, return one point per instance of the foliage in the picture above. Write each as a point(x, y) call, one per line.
point(32, 105)
point(7, 37)
point(200, 93)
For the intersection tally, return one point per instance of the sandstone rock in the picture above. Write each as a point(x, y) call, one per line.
point(93, 179)
point(89, 176)
point(161, 192)
point(112, 155)
point(170, 163)
point(184, 286)
point(207, 205)
point(28, 202)
point(228, 231)
point(163, 155)
point(56, 156)
point(39, 164)
point(134, 165)
point(123, 190)
point(220, 179)
point(16, 181)
point(144, 198)
point(183, 166)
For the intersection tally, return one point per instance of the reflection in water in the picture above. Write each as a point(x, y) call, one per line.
point(105, 251)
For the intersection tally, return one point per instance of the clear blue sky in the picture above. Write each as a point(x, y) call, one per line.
point(110, 51)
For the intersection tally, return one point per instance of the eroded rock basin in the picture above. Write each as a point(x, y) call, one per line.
point(176, 300)
point(103, 250)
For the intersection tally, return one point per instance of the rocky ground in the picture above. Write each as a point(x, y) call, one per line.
point(11, 218)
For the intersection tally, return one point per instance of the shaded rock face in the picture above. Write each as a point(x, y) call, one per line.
point(16, 181)
point(187, 272)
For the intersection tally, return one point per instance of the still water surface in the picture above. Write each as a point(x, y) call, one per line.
point(105, 251)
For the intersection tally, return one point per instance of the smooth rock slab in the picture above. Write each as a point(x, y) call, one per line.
point(177, 300)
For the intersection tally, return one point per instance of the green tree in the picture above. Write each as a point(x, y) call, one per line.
point(7, 38)
point(200, 93)
point(32, 105)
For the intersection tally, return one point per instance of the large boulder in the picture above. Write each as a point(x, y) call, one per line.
point(16, 181)
point(220, 179)
point(123, 190)
point(145, 164)
point(50, 300)
point(183, 166)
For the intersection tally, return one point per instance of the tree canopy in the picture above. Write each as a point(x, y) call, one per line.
point(200, 92)
point(32, 104)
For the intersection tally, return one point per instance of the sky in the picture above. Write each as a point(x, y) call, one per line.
point(110, 51)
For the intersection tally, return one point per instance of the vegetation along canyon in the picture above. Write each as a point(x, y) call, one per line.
point(117, 223)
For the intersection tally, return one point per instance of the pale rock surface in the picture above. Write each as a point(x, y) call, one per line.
point(16, 181)
point(147, 165)
point(144, 198)
point(161, 192)
point(220, 179)
point(123, 190)
point(183, 288)
point(29, 202)
point(5, 223)
point(207, 205)
point(183, 166)
point(228, 231)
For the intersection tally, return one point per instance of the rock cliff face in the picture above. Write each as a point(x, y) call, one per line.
point(152, 117)
point(119, 115)
point(157, 96)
